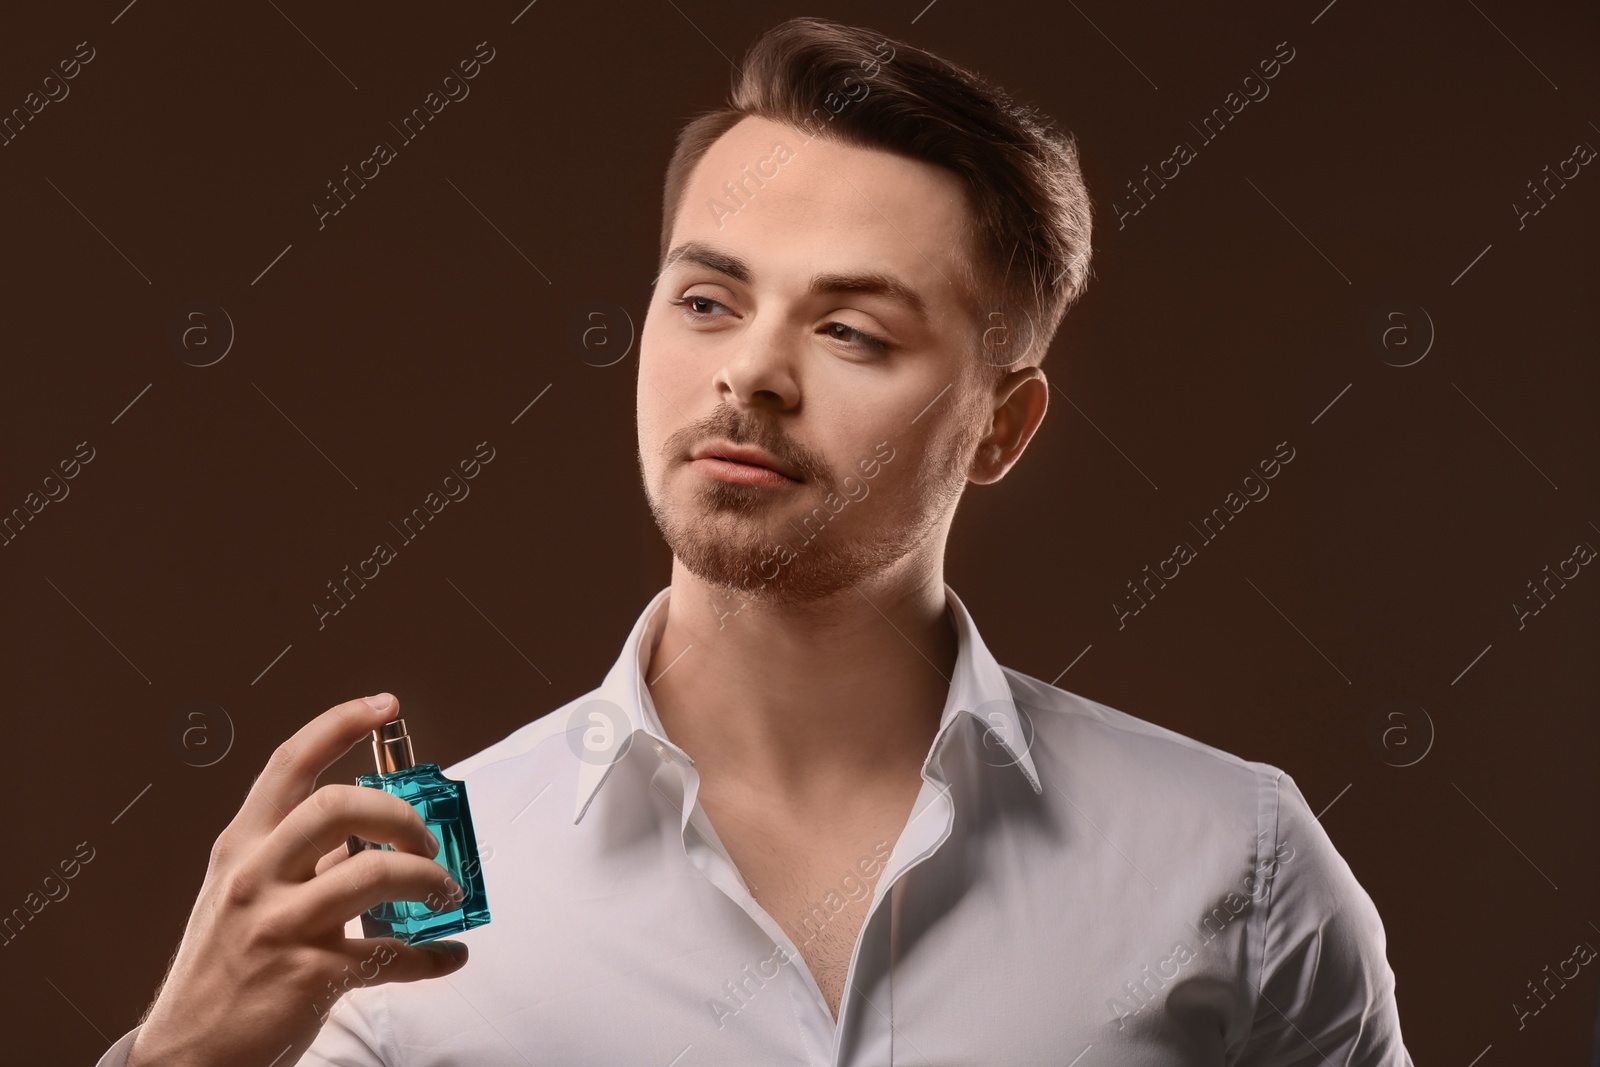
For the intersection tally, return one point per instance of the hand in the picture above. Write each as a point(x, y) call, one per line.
point(264, 956)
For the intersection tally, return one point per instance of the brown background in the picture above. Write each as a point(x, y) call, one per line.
point(392, 342)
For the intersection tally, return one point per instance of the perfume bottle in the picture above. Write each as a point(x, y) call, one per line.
point(442, 803)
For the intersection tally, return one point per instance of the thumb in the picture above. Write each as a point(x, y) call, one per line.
point(437, 958)
point(387, 959)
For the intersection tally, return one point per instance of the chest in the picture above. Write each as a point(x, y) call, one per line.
point(822, 911)
point(818, 886)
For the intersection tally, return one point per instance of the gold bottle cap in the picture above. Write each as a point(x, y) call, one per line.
point(391, 747)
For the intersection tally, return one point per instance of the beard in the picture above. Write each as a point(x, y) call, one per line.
point(792, 550)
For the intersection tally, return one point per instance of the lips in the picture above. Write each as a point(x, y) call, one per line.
point(746, 454)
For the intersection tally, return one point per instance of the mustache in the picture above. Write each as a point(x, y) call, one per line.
point(727, 423)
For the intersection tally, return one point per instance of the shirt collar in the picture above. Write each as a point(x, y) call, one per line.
point(978, 688)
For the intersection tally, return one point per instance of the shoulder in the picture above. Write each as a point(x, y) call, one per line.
point(547, 755)
point(1085, 733)
point(1180, 810)
point(526, 739)
point(551, 744)
point(1320, 951)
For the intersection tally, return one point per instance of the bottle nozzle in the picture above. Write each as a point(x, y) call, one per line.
point(391, 747)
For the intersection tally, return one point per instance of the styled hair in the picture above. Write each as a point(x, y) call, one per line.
point(1030, 208)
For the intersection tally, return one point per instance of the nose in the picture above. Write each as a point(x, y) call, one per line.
point(760, 371)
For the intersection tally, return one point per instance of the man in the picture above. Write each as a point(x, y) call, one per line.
point(807, 817)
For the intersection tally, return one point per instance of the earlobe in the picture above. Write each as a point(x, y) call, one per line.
point(996, 461)
point(988, 463)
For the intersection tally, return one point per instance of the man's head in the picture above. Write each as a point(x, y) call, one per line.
point(864, 255)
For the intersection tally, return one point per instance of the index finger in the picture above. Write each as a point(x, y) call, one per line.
point(291, 774)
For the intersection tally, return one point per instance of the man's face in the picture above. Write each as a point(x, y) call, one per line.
point(871, 406)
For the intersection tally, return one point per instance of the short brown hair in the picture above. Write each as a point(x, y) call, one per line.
point(1025, 185)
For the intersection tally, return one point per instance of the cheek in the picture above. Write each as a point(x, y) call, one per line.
point(658, 379)
point(650, 342)
point(655, 422)
point(672, 367)
point(936, 453)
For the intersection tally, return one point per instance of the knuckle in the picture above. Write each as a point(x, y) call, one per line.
point(275, 928)
point(305, 967)
point(331, 801)
point(398, 873)
point(363, 870)
point(240, 888)
point(392, 804)
point(399, 816)
point(340, 854)
point(222, 850)
point(283, 757)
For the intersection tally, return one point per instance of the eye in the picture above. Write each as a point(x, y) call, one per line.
point(851, 336)
point(864, 339)
point(693, 313)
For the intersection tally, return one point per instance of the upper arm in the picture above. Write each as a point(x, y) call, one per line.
point(1326, 994)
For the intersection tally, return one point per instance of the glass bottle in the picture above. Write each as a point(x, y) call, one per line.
point(442, 803)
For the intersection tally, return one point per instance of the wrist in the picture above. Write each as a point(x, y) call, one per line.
point(151, 1048)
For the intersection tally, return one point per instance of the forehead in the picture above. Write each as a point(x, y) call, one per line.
point(788, 204)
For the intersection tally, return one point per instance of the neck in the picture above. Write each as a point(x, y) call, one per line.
point(810, 703)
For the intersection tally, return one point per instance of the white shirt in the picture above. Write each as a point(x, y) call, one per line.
point(1072, 881)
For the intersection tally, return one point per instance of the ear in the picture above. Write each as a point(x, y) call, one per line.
point(1019, 402)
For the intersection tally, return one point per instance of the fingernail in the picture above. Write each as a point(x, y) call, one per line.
point(433, 843)
point(454, 949)
point(380, 701)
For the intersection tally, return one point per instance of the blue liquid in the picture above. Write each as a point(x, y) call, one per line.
point(442, 803)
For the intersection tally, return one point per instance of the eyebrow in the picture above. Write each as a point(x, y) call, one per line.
point(868, 283)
